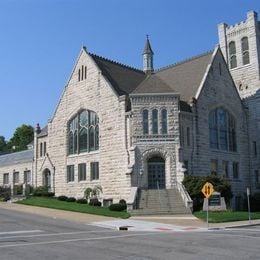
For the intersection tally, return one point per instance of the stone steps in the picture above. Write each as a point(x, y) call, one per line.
point(167, 201)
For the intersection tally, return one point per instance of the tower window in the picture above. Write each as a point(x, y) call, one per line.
point(232, 55)
point(155, 121)
point(145, 122)
point(245, 50)
point(164, 121)
point(82, 73)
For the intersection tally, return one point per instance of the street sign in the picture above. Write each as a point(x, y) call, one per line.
point(207, 189)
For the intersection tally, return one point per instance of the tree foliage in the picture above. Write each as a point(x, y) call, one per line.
point(22, 136)
point(194, 184)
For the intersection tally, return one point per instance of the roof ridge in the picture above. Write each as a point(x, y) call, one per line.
point(117, 63)
point(184, 61)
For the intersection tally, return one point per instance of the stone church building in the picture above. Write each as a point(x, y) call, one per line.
point(132, 131)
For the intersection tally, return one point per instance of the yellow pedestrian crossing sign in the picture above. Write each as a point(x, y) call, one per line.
point(207, 189)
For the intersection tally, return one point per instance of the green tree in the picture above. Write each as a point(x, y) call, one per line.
point(194, 184)
point(23, 135)
point(3, 144)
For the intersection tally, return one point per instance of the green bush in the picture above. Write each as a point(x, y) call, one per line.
point(122, 201)
point(117, 207)
point(42, 191)
point(71, 199)
point(82, 201)
point(94, 202)
point(194, 184)
point(5, 193)
point(255, 202)
point(62, 198)
point(18, 189)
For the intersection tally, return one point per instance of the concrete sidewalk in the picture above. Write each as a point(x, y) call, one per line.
point(182, 221)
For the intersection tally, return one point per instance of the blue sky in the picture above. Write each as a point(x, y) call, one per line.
point(40, 41)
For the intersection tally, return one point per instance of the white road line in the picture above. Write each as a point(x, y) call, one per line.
point(59, 234)
point(20, 232)
point(76, 240)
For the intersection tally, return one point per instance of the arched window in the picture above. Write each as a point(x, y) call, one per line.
point(83, 132)
point(155, 121)
point(222, 130)
point(245, 50)
point(145, 122)
point(164, 121)
point(232, 55)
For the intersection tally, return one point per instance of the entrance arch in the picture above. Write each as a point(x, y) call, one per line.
point(46, 179)
point(156, 173)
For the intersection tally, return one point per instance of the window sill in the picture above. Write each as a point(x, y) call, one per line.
point(82, 154)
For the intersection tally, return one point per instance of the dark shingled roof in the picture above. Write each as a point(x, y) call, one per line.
point(152, 84)
point(43, 132)
point(185, 77)
point(124, 79)
point(18, 157)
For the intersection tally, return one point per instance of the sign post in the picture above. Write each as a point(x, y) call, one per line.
point(248, 203)
point(207, 190)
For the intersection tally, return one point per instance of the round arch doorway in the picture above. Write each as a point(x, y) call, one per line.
point(156, 173)
point(47, 179)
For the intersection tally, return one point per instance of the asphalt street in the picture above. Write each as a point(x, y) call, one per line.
point(28, 236)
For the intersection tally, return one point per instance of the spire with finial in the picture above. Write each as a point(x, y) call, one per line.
point(147, 57)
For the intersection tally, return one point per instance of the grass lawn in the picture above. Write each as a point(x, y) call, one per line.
point(72, 206)
point(226, 216)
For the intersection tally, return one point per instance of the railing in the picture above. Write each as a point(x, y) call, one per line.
point(185, 195)
point(132, 200)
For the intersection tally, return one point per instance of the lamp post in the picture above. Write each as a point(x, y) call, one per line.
point(248, 204)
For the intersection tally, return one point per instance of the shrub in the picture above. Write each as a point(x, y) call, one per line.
point(62, 198)
point(42, 191)
point(255, 202)
point(18, 189)
point(117, 207)
point(82, 201)
point(94, 202)
point(194, 184)
point(5, 193)
point(122, 202)
point(71, 199)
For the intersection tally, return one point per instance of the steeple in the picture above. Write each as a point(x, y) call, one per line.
point(147, 57)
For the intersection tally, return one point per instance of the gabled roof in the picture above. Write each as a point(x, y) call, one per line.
point(124, 79)
point(185, 77)
point(44, 131)
point(18, 157)
point(152, 84)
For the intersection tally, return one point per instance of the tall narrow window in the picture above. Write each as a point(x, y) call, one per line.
point(16, 177)
point(145, 122)
point(235, 170)
point(79, 75)
point(245, 50)
point(6, 178)
point(94, 170)
point(222, 130)
point(155, 121)
point(213, 129)
point(164, 121)
point(256, 176)
point(82, 72)
point(82, 172)
point(225, 169)
point(85, 72)
point(70, 173)
point(44, 148)
point(214, 167)
point(41, 149)
point(232, 55)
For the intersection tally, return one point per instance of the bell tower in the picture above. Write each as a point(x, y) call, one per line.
point(147, 57)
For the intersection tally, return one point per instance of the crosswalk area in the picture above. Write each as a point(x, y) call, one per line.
point(138, 225)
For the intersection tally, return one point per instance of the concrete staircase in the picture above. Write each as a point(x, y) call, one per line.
point(159, 202)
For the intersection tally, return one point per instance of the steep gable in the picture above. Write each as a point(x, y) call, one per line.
point(123, 79)
point(185, 77)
